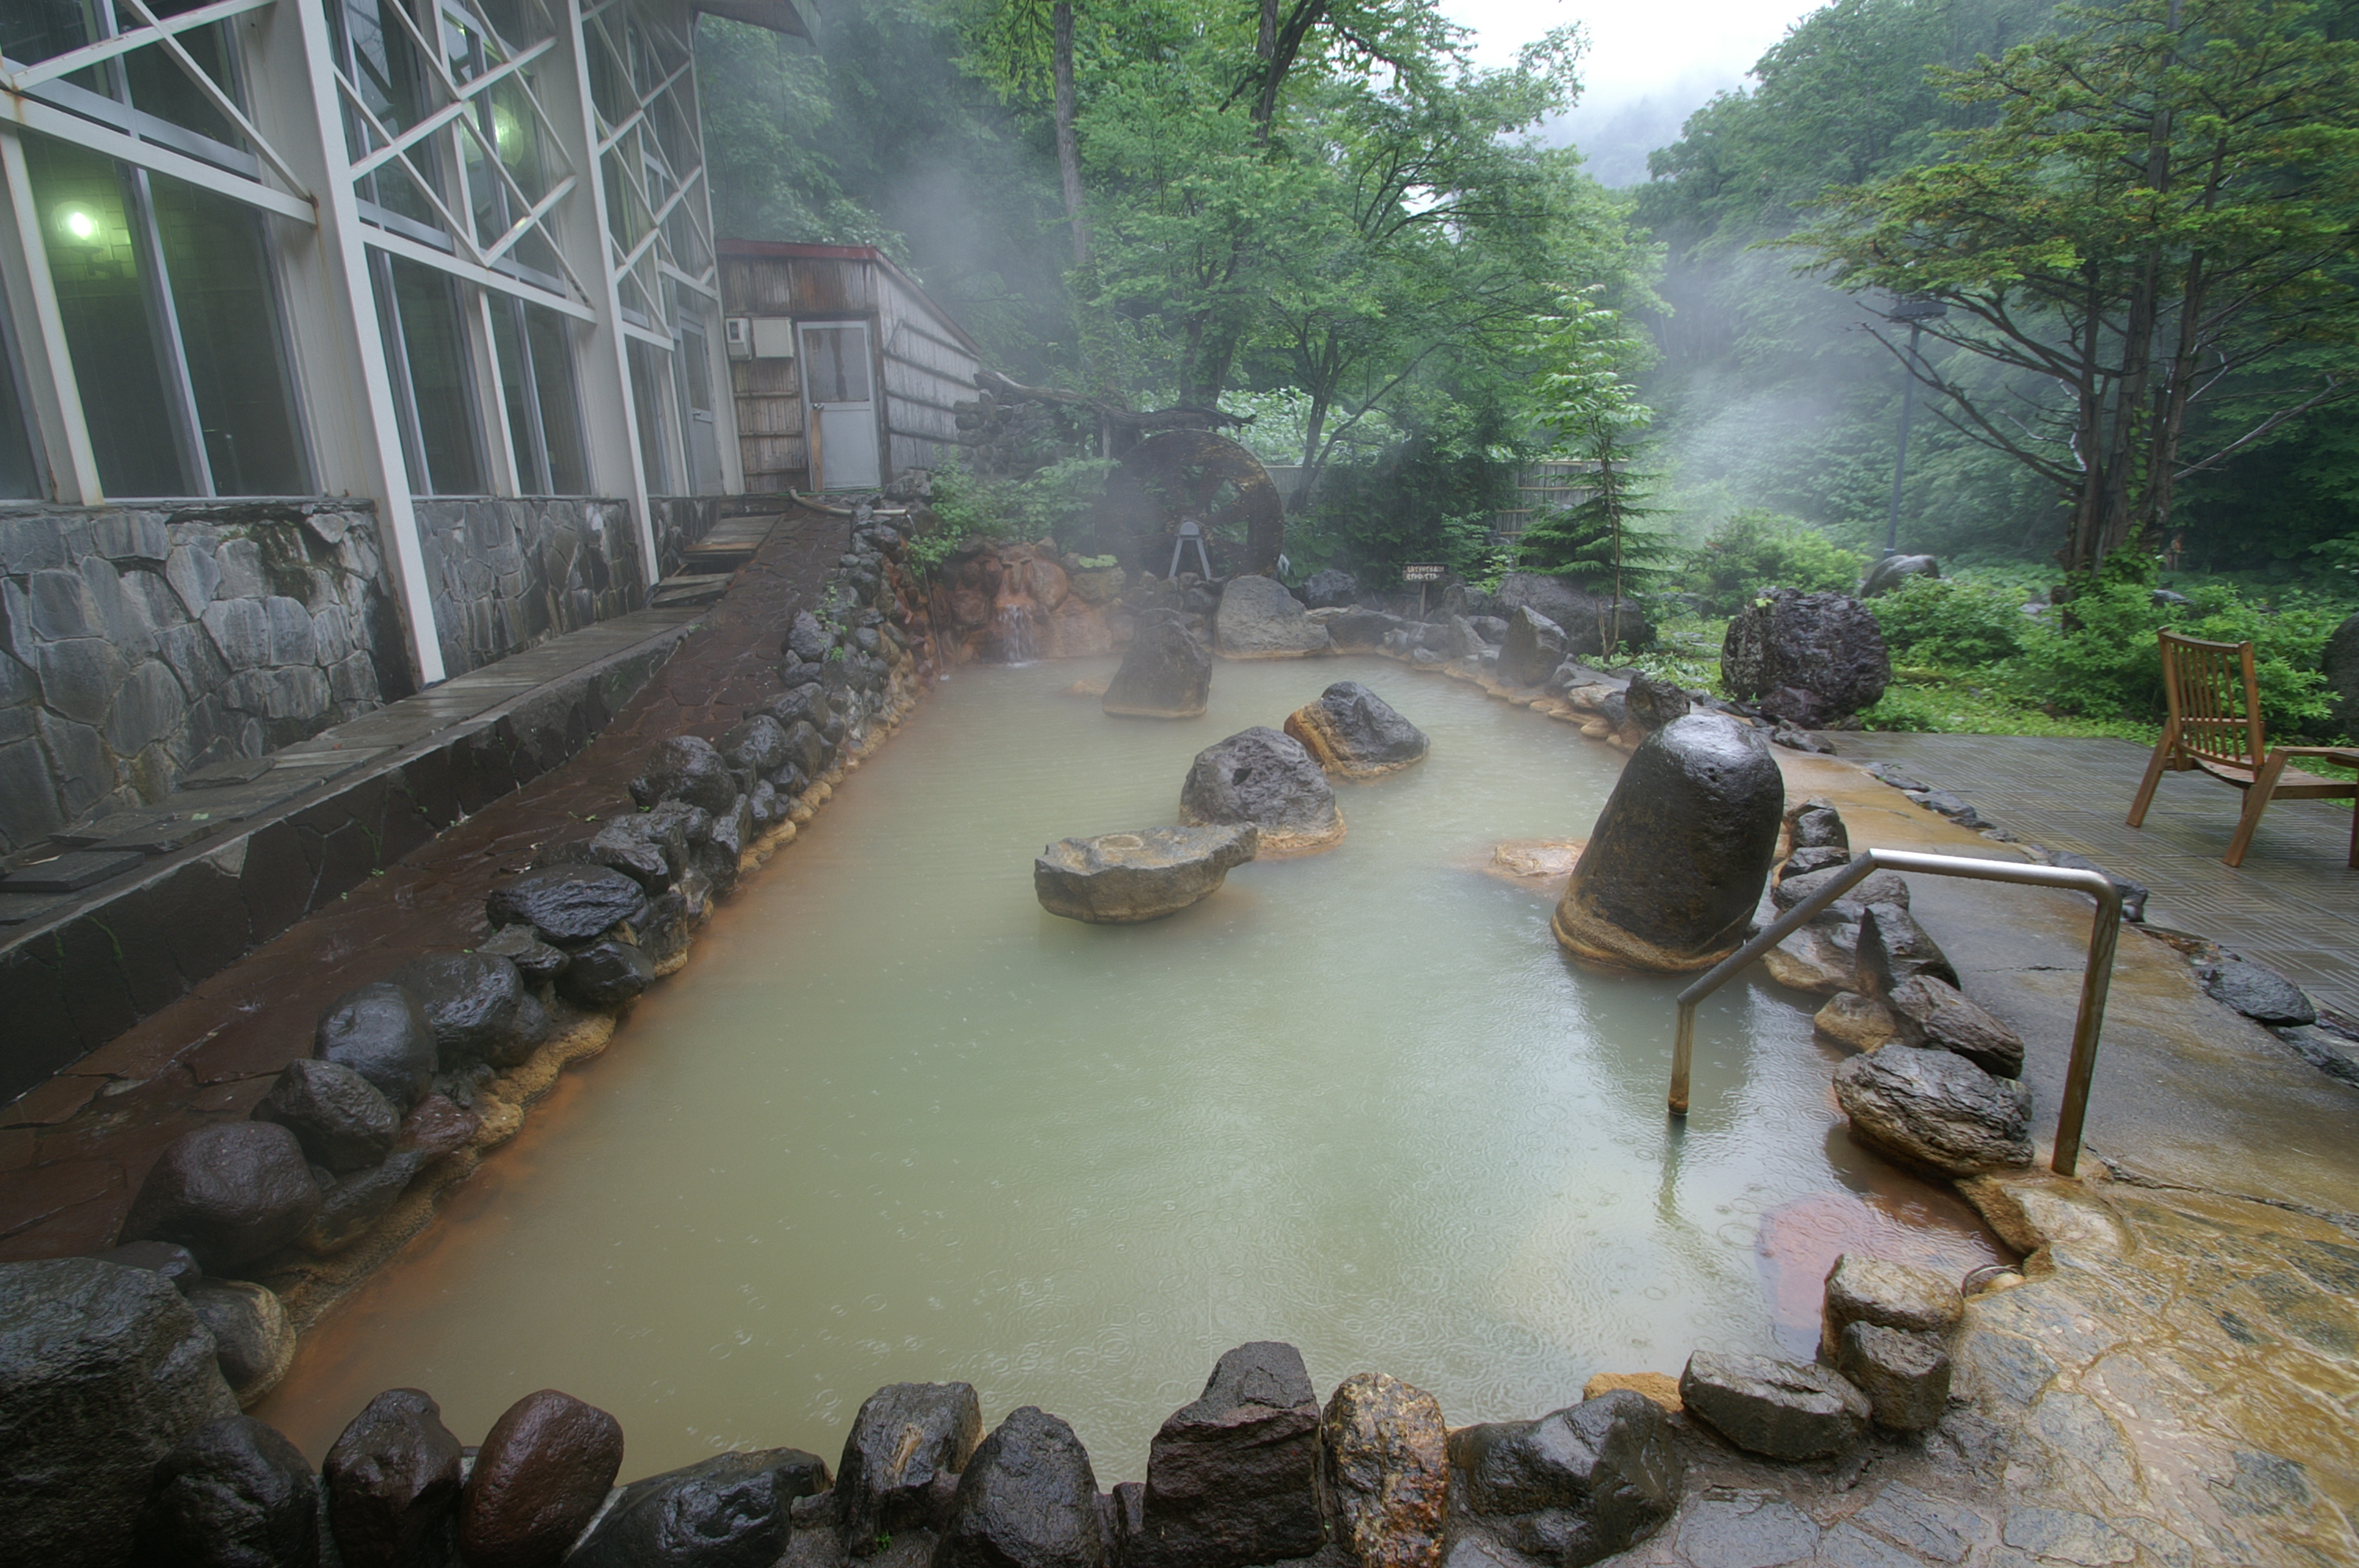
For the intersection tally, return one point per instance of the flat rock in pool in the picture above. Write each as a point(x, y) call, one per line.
point(1782, 1409)
point(1120, 879)
point(1535, 859)
point(1352, 733)
point(1166, 673)
point(1261, 777)
point(1937, 1109)
point(1675, 867)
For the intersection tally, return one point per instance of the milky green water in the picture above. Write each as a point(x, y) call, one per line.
point(896, 1123)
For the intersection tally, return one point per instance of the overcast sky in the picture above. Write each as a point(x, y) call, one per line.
point(1637, 47)
point(1650, 63)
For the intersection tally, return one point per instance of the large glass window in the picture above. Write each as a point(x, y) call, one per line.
point(434, 383)
point(651, 379)
point(536, 354)
point(143, 92)
point(166, 295)
point(20, 473)
point(382, 62)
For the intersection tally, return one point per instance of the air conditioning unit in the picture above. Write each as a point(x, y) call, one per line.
point(738, 332)
point(773, 338)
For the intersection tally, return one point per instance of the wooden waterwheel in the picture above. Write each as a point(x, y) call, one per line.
point(1184, 476)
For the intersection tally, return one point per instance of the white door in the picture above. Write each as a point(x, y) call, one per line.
point(841, 397)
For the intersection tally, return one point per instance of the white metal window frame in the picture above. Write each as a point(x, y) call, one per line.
point(311, 179)
point(36, 96)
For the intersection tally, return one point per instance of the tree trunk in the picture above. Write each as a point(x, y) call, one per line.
point(1069, 150)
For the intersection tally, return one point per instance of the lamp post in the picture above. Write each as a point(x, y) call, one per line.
point(1915, 310)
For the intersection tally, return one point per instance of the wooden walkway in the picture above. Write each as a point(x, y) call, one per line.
point(2293, 904)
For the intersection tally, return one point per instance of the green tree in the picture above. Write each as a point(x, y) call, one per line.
point(2166, 204)
point(1602, 540)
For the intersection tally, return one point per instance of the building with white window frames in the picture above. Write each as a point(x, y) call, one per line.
point(297, 293)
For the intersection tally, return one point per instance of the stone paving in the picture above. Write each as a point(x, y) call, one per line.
point(2174, 1381)
point(2171, 1386)
point(2293, 904)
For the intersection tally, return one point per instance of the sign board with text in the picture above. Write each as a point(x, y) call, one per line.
point(1427, 573)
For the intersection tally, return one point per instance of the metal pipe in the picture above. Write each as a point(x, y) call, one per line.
point(2095, 980)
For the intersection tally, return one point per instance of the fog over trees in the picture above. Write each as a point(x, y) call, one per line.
point(2138, 217)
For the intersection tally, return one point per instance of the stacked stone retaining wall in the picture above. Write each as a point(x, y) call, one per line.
point(137, 642)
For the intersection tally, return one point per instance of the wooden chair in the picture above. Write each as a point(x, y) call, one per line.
point(2215, 725)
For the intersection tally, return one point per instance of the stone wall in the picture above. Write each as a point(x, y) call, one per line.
point(142, 641)
point(507, 574)
point(680, 521)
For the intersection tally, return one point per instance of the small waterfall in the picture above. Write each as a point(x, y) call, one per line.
point(1016, 644)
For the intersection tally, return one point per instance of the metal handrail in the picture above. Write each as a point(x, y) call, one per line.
point(2096, 976)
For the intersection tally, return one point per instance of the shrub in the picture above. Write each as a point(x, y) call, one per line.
point(1943, 620)
point(2101, 657)
point(1755, 551)
point(1054, 502)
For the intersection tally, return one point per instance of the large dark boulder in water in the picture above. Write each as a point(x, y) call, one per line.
point(1122, 879)
point(1262, 777)
point(1352, 733)
point(1027, 1500)
point(1576, 1487)
point(906, 1435)
point(689, 768)
point(1577, 612)
point(1533, 648)
point(1808, 658)
point(341, 1119)
point(729, 1511)
point(229, 1192)
point(1232, 1479)
point(477, 1006)
point(379, 1031)
point(1893, 571)
point(1385, 1467)
point(235, 1492)
point(1331, 590)
point(1360, 630)
point(393, 1484)
point(1676, 864)
point(1259, 619)
point(103, 1369)
point(572, 906)
point(540, 1476)
point(1166, 673)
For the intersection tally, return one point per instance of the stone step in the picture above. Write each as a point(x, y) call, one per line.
point(101, 927)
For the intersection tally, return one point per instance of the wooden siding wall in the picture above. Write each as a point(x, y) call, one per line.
point(923, 370)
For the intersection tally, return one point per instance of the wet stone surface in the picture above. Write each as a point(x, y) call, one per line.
point(2168, 1389)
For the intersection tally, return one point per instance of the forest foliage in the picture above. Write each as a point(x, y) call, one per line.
point(1326, 215)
